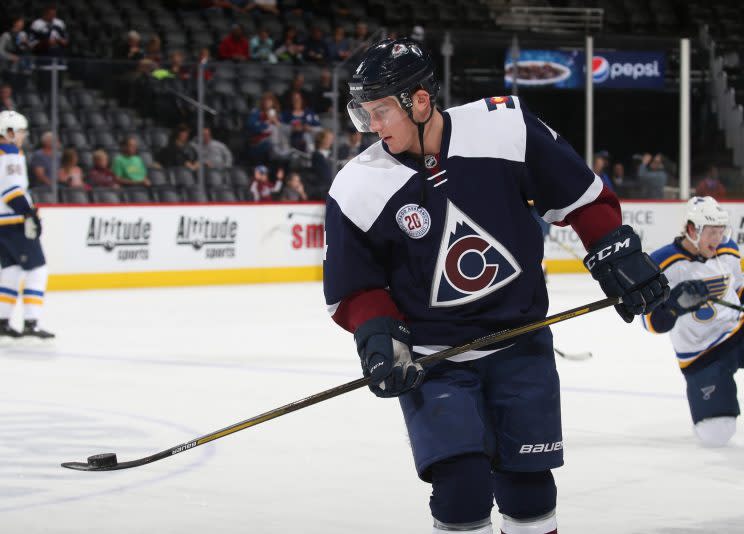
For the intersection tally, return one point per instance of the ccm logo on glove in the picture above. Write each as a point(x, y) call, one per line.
point(600, 255)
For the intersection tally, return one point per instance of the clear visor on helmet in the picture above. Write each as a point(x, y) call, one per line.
point(720, 233)
point(375, 116)
point(710, 234)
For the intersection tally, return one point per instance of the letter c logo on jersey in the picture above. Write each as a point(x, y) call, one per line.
point(471, 262)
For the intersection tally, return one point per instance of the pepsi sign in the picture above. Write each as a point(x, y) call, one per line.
point(629, 70)
point(610, 69)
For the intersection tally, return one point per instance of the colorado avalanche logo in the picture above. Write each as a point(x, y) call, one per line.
point(471, 262)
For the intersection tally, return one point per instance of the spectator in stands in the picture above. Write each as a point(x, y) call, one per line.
point(618, 174)
point(321, 163)
point(261, 124)
point(154, 51)
point(303, 122)
point(41, 161)
point(70, 173)
point(6, 98)
point(215, 155)
point(361, 35)
point(297, 85)
point(262, 47)
point(203, 57)
point(176, 67)
point(339, 46)
point(652, 176)
point(265, 6)
point(291, 49)
point(601, 161)
point(262, 189)
point(14, 44)
point(100, 175)
point(318, 99)
point(128, 166)
point(48, 34)
point(316, 47)
point(294, 190)
point(235, 45)
point(352, 145)
point(178, 152)
point(710, 185)
point(133, 48)
point(418, 34)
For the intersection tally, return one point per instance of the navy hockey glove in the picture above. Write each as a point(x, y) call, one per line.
point(384, 346)
point(688, 296)
point(623, 270)
point(32, 225)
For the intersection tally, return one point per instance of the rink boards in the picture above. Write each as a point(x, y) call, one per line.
point(118, 246)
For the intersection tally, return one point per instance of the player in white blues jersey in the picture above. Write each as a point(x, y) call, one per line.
point(21, 257)
point(431, 244)
point(701, 264)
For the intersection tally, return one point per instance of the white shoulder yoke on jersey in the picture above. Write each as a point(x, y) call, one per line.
point(364, 186)
point(478, 132)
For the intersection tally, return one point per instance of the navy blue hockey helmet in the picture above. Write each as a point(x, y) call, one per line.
point(396, 68)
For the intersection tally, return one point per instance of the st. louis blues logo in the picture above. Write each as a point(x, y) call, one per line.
point(471, 262)
point(717, 286)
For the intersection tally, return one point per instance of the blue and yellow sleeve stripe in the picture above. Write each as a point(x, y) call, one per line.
point(11, 193)
point(647, 323)
point(674, 258)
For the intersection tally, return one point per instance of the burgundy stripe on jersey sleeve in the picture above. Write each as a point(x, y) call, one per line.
point(597, 219)
point(363, 306)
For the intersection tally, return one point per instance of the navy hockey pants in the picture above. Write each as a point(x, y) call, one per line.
point(506, 406)
point(16, 249)
point(711, 390)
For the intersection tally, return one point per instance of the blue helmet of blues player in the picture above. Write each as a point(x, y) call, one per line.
point(13, 127)
point(391, 68)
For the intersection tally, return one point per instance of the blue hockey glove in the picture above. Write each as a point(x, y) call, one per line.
point(623, 270)
point(384, 346)
point(688, 296)
point(32, 225)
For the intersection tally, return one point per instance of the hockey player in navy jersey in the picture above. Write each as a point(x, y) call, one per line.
point(700, 264)
point(21, 257)
point(431, 244)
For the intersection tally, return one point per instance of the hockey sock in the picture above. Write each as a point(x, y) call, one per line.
point(10, 279)
point(33, 292)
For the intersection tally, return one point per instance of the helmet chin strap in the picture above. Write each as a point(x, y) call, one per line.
point(420, 127)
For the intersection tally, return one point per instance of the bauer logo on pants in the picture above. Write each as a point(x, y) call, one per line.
point(471, 262)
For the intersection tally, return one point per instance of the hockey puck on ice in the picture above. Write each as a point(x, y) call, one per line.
point(102, 460)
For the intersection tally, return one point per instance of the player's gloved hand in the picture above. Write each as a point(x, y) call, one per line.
point(688, 296)
point(32, 225)
point(623, 270)
point(384, 346)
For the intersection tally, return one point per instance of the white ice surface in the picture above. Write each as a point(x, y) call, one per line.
point(139, 371)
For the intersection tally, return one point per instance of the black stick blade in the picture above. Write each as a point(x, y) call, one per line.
point(82, 466)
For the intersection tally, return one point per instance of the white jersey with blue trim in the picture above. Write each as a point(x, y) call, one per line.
point(457, 249)
point(13, 182)
point(696, 333)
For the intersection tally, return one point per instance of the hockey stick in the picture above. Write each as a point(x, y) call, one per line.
point(727, 304)
point(573, 355)
point(108, 462)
